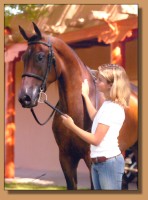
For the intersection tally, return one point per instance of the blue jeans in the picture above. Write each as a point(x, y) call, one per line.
point(108, 175)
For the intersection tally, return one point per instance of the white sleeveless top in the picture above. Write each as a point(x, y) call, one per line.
point(113, 115)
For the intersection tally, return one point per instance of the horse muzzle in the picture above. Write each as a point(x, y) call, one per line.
point(27, 100)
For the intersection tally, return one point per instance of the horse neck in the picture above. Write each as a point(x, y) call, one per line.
point(72, 74)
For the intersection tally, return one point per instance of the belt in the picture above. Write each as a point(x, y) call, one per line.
point(101, 159)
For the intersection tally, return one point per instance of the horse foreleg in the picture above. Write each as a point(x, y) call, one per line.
point(88, 164)
point(69, 167)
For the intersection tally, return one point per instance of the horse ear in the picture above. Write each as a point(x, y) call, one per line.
point(37, 30)
point(23, 33)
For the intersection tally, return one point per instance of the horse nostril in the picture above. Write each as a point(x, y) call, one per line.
point(25, 101)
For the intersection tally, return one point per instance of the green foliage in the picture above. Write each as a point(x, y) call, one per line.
point(32, 11)
point(12, 9)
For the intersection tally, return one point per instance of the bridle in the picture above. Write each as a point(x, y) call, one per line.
point(51, 61)
point(42, 96)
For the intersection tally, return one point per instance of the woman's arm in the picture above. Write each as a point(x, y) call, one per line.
point(85, 92)
point(93, 139)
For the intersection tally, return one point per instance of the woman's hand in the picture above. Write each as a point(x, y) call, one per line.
point(67, 121)
point(85, 88)
point(85, 93)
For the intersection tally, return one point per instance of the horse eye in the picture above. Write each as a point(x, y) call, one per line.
point(39, 57)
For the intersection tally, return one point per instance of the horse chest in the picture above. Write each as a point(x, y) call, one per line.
point(67, 140)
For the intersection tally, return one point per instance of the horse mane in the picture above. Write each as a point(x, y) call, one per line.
point(61, 46)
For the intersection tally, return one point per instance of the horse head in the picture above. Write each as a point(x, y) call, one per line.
point(39, 67)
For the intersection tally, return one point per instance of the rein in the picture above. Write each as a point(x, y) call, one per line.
point(54, 109)
point(43, 99)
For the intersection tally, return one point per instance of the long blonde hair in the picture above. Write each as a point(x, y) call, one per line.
point(117, 77)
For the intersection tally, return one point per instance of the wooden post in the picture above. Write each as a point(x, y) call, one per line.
point(118, 53)
point(9, 119)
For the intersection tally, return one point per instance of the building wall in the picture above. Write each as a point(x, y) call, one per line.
point(94, 56)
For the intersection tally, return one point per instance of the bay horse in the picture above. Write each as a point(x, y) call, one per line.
point(48, 59)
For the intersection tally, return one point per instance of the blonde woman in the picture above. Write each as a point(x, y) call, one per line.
point(107, 161)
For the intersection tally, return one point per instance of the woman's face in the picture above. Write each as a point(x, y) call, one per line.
point(103, 85)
